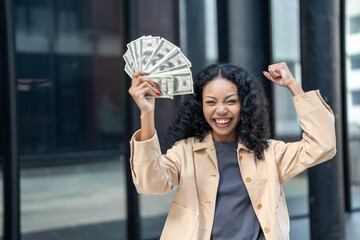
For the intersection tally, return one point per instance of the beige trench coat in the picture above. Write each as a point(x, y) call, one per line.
point(192, 165)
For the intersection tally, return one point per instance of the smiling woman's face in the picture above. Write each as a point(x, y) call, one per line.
point(221, 107)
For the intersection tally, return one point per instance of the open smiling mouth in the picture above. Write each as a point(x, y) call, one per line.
point(222, 122)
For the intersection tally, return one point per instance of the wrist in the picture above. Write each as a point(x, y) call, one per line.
point(147, 123)
point(147, 113)
point(295, 88)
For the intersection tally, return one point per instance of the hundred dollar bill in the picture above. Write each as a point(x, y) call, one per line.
point(170, 73)
point(166, 85)
point(129, 61)
point(162, 49)
point(183, 82)
point(174, 59)
point(134, 48)
point(131, 49)
point(147, 47)
point(136, 45)
point(177, 68)
point(128, 70)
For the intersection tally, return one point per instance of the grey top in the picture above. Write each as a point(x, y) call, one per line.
point(234, 215)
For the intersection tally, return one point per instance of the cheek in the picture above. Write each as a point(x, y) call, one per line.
point(207, 113)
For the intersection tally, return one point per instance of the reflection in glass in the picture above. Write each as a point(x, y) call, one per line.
point(353, 95)
point(71, 102)
point(70, 79)
point(286, 47)
point(85, 199)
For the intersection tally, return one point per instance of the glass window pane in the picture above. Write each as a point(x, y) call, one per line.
point(286, 47)
point(68, 201)
point(355, 62)
point(71, 99)
point(211, 41)
point(353, 96)
point(354, 23)
point(69, 76)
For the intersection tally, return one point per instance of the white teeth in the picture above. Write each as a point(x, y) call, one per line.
point(222, 120)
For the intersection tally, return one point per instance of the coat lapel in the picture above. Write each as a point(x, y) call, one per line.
point(212, 154)
point(208, 145)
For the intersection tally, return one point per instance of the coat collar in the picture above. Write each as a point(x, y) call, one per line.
point(209, 142)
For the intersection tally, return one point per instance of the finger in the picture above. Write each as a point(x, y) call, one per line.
point(146, 85)
point(273, 66)
point(135, 87)
point(276, 66)
point(142, 79)
point(151, 82)
point(283, 65)
point(268, 76)
point(280, 66)
point(138, 73)
point(272, 73)
point(148, 90)
point(275, 72)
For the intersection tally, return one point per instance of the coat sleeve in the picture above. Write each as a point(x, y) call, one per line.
point(152, 172)
point(318, 142)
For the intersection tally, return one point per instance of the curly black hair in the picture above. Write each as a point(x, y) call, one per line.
point(253, 128)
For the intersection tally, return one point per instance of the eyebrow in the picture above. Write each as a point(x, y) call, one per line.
point(225, 97)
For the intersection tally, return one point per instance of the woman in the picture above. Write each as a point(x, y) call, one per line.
point(229, 173)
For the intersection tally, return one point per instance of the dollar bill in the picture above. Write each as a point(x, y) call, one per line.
point(182, 81)
point(134, 48)
point(174, 59)
point(162, 49)
point(137, 52)
point(131, 49)
point(164, 62)
point(147, 47)
point(128, 70)
point(129, 62)
point(165, 84)
point(173, 69)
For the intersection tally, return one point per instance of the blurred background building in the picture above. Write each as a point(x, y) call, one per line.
point(74, 115)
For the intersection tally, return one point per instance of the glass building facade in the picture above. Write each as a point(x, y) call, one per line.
point(352, 31)
point(75, 115)
point(71, 103)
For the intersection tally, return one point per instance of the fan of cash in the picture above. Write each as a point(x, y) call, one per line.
point(163, 61)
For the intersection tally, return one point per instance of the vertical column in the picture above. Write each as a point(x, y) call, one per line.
point(130, 13)
point(250, 34)
point(11, 163)
point(223, 30)
point(320, 54)
point(345, 130)
point(195, 32)
point(250, 37)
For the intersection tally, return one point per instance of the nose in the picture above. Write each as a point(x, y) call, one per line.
point(221, 109)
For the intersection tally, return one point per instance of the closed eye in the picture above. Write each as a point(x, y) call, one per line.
point(232, 101)
point(210, 102)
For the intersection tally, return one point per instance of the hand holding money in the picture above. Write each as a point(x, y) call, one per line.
point(165, 64)
point(142, 86)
